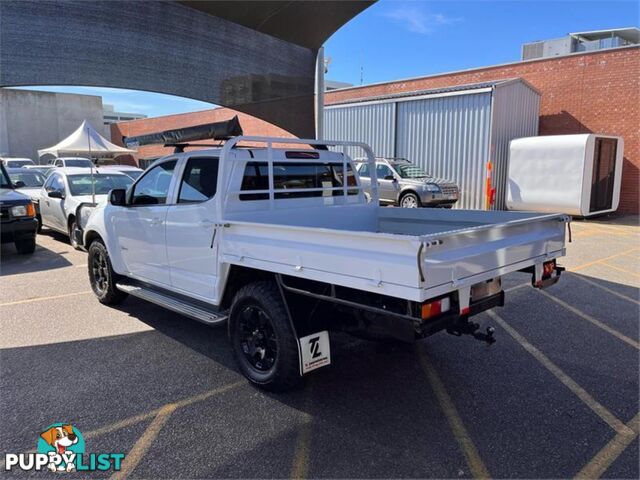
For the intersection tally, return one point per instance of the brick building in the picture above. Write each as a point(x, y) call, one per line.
point(595, 91)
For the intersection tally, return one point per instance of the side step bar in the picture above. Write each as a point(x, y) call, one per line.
point(207, 316)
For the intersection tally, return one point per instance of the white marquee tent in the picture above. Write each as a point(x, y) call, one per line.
point(87, 142)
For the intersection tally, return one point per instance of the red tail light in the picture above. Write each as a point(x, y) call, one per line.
point(435, 308)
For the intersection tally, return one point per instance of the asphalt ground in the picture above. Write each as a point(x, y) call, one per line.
point(557, 396)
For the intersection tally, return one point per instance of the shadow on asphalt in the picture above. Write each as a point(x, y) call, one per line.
point(371, 414)
point(12, 263)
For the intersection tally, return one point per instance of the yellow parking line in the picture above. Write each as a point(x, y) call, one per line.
point(476, 465)
point(610, 452)
point(607, 289)
point(615, 267)
point(143, 444)
point(40, 299)
point(300, 466)
point(599, 409)
point(592, 320)
point(516, 287)
point(588, 264)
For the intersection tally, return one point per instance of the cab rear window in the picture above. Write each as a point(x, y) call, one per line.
point(296, 176)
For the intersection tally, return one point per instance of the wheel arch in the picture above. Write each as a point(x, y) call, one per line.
point(405, 192)
point(239, 276)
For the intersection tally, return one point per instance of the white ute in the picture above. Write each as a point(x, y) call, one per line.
point(277, 243)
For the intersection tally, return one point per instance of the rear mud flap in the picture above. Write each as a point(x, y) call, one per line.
point(315, 351)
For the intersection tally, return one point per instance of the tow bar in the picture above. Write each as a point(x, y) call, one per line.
point(467, 327)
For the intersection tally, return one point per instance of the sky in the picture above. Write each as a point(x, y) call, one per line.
point(395, 39)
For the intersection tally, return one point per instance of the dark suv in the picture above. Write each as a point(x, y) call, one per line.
point(18, 222)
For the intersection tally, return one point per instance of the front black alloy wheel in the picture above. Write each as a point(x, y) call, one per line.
point(101, 275)
point(264, 343)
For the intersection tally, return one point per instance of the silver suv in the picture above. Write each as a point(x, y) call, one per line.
point(402, 183)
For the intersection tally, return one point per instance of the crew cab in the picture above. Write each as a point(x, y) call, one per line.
point(282, 244)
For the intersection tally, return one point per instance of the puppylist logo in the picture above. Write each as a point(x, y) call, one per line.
point(61, 448)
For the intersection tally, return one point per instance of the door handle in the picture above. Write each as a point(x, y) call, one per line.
point(155, 222)
point(206, 223)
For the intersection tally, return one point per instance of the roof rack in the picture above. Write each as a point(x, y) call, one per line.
point(180, 137)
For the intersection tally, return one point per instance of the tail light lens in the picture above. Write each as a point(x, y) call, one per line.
point(548, 268)
point(435, 308)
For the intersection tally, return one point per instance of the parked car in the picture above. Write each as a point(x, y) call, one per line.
point(71, 162)
point(404, 184)
point(28, 182)
point(17, 216)
point(45, 170)
point(131, 171)
point(16, 162)
point(67, 188)
point(281, 244)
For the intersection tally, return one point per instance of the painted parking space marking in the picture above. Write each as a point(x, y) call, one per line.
point(41, 299)
point(599, 409)
point(141, 447)
point(601, 260)
point(594, 321)
point(610, 452)
point(620, 269)
point(460, 433)
point(606, 289)
point(135, 419)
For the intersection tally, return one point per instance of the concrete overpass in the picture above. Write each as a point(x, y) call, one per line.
point(257, 57)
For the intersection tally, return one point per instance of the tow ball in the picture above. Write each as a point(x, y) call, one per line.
point(466, 327)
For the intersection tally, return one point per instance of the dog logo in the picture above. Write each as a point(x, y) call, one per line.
point(62, 443)
point(61, 448)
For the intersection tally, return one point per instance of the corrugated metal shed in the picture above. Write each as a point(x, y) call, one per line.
point(450, 132)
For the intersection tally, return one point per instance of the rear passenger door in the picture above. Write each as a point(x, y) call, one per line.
point(192, 246)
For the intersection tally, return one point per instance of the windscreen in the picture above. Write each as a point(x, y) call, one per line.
point(82, 185)
point(407, 170)
point(78, 162)
point(30, 178)
point(18, 163)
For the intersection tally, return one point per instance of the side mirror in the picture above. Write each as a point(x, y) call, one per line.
point(118, 197)
point(389, 177)
point(19, 184)
point(55, 194)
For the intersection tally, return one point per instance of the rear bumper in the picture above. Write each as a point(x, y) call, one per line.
point(18, 229)
point(450, 320)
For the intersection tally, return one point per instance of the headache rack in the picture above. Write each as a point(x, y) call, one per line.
point(291, 156)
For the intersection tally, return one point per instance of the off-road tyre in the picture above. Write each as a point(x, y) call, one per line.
point(101, 275)
point(260, 304)
point(26, 246)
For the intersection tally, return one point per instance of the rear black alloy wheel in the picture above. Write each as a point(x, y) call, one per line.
point(263, 340)
point(258, 339)
point(101, 275)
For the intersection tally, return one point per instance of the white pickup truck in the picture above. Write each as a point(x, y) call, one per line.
point(282, 245)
